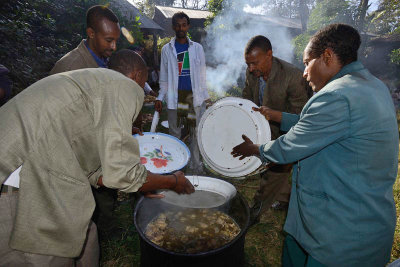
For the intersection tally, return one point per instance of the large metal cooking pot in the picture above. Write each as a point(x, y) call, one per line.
point(231, 254)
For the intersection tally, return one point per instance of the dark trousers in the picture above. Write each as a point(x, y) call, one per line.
point(295, 256)
point(274, 185)
point(105, 203)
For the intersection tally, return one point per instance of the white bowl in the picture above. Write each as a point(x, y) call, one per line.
point(223, 193)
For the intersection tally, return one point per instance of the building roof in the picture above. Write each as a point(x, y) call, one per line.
point(128, 10)
point(168, 12)
point(278, 21)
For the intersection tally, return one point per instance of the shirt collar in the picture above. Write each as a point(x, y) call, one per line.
point(100, 61)
point(349, 68)
point(172, 42)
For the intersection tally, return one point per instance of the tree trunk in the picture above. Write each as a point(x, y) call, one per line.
point(363, 11)
point(303, 14)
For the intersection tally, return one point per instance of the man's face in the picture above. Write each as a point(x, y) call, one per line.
point(316, 71)
point(104, 41)
point(259, 62)
point(181, 28)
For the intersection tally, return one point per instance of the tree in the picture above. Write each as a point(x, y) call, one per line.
point(330, 11)
point(36, 33)
point(303, 12)
point(361, 15)
point(147, 6)
point(386, 20)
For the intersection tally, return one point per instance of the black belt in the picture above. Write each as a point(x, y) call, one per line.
point(8, 189)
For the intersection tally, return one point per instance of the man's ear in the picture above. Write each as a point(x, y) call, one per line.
point(132, 75)
point(90, 32)
point(136, 75)
point(269, 53)
point(328, 55)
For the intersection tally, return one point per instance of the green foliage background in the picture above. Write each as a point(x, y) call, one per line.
point(36, 33)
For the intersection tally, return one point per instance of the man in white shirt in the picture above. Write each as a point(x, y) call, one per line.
point(183, 81)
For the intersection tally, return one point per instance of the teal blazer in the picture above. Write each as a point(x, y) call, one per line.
point(345, 146)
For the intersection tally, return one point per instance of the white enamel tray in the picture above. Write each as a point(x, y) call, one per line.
point(221, 128)
point(162, 153)
point(225, 190)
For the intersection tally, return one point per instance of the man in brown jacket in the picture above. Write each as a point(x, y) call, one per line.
point(278, 85)
point(70, 131)
point(103, 32)
point(102, 29)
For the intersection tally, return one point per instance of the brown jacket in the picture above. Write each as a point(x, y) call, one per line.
point(62, 129)
point(286, 90)
point(79, 58)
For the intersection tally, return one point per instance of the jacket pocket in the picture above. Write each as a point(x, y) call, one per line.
point(313, 193)
point(66, 178)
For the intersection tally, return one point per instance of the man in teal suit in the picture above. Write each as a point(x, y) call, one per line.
point(344, 145)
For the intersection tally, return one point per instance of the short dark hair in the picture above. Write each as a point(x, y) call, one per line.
point(343, 39)
point(126, 61)
point(98, 12)
point(180, 15)
point(259, 41)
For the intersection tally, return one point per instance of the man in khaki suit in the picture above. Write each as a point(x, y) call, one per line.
point(70, 131)
point(103, 32)
point(274, 83)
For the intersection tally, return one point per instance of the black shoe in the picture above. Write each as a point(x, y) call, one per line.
point(278, 205)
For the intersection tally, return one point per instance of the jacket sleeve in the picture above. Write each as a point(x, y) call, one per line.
point(325, 121)
point(297, 93)
point(94, 177)
point(163, 74)
point(247, 92)
point(202, 74)
point(119, 151)
point(288, 121)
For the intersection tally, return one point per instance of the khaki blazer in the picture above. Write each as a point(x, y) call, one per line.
point(79, 58)
point(62, 129)
point(286, 90)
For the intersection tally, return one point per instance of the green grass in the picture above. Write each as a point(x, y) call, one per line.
point(264, 241)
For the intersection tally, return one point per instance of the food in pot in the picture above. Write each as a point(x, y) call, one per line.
point(192, 230)
point(149, 99)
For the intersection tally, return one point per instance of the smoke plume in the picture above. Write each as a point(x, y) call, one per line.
point(228, 35)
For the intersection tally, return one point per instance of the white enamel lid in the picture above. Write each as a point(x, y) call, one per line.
point(221, 128)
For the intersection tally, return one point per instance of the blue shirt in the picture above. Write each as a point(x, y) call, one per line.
point(183, 66)
point(101, 62)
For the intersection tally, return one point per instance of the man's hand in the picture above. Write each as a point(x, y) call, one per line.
point(136, 130)
point(152, 93)
point(158, 106)
point(245, 149)
point(209, 103)
point(182, 184)
point(269, 114)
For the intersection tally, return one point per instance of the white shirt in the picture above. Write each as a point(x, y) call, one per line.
point(147, 89)
point(169, 75)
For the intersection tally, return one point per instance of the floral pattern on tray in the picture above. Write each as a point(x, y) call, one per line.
point(159, 157)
